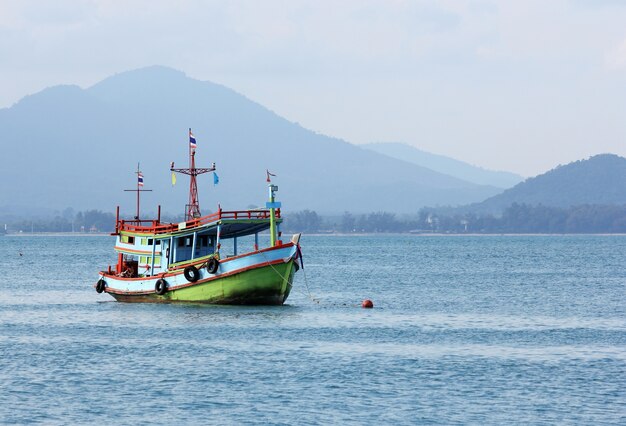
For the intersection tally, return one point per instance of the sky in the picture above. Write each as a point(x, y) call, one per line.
point(518, 85)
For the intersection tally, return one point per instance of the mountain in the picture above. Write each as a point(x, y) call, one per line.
point(73, 147)
point(446, 165)
point(600, 179)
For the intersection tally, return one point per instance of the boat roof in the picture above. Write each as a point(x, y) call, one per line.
point(232, 224)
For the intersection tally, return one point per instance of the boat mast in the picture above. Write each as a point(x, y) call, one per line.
point(138, 190)
point(272, 204)
point(192, 210)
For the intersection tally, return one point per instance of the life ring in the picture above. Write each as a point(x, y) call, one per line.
point(212, 266)
point(192, 274)
point(160, 287)
point(100, 285)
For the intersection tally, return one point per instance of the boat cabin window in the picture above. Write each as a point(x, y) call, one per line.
point(149, 242)
point(185, 241)
point(204, 245)
point(184, 245)
point(147, 260)
point(127, 239)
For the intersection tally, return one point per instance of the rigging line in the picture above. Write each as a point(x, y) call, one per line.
point(306, 283)
point(306, 280)
point(283, 278)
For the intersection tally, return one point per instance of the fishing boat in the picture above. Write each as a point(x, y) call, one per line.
point(187, 262)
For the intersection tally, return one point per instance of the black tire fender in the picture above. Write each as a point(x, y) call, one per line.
point(212, 265)
point(100, 285)
point(160, 287)
point(192, 274)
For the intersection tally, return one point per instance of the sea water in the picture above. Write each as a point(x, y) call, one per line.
point(482, 330)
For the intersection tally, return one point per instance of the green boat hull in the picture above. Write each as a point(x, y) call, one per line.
point(265, 285)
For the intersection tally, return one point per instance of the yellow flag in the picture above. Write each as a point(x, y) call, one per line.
point(173, 178)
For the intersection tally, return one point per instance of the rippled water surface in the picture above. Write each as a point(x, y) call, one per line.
point(464, 330)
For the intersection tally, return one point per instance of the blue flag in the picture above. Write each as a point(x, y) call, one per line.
point(216, 179)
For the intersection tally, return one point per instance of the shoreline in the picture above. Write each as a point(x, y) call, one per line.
point(58, 234)
point(334, 234)
point(373, 234)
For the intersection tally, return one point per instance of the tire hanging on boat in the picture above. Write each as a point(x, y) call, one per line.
point(212, 266)
point(192, 274)
point(160, 287)
point(100, 285)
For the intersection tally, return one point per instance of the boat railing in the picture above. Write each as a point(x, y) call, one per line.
point(156, 227)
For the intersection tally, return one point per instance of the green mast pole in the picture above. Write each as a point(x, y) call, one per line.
point(272, 205)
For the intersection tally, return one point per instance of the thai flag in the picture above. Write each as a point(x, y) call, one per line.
point(192, 139)
point(140, 179)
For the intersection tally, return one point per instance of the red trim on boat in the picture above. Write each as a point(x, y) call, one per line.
point(178, 269)
point(206, 280)
point(258, 251)
point(155, 227)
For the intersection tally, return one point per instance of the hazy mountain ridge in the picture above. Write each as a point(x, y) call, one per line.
point(600, 180)
point(445, 165)
point(79, 148)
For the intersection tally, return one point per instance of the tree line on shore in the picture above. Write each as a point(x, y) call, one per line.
point(89, 221)
point(517, 218)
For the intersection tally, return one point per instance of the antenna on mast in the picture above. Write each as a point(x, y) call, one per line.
point(138, 190)
point(192, 209)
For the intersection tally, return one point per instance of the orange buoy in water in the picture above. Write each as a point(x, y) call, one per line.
point(367, 304)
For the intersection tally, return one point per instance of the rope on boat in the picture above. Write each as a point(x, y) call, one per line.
point(306, 282)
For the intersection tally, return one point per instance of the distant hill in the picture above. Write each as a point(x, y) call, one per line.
point(598, 180)
point(73, 147)
point(446, 165)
